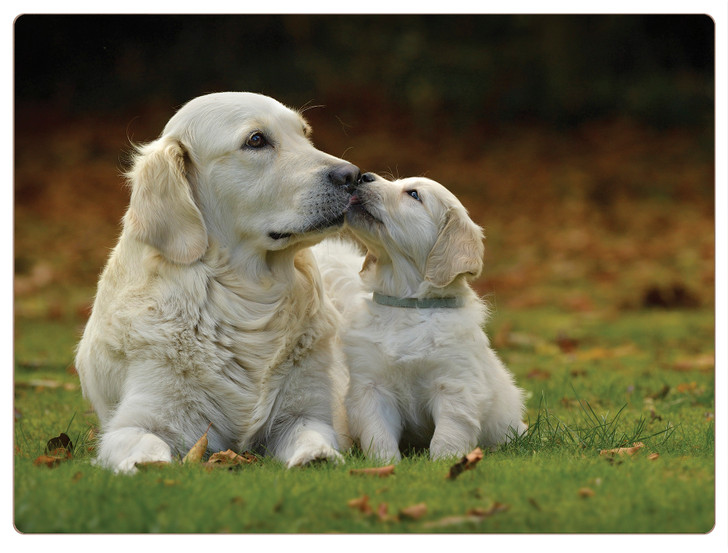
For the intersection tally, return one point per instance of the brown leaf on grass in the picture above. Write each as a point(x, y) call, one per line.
point(497, 507)
point(41, 383)
point(151, 465)
point(538, 374)
point(230, 459)
point(586, 492)
point(653, 456)
point(704, 363)
point(623, 450)
point(453, 521)
point(53, 458)
point(565, 343)
point(473, 516)
point(382, 512)
point(686, 387)
point(361, 503)
point(62, 441)
point(466, 463)
point(414, 512)
point(381, 472)
point(195, 454)
point(661, 394)
point(57, 450)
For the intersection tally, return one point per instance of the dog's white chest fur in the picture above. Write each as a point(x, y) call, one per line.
point(201, 346)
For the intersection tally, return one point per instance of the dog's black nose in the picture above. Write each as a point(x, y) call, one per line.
point(368, 177)
point(346, 175)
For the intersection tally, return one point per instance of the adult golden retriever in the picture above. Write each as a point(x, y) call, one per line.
point(421, 368)
point(211, 308)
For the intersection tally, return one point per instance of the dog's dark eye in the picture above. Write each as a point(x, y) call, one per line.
point(256, 140)
point(414, 194)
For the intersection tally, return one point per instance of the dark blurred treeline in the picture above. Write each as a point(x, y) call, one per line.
point(559, 69)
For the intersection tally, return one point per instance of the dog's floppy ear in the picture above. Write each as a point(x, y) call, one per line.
point(162, 211)
point(458, 250)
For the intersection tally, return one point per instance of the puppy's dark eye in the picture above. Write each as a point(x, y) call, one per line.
point(414, 194)
point(256, 140)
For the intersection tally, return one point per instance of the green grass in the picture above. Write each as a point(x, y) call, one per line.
point(627, 377)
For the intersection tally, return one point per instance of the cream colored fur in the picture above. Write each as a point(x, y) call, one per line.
point(425, 377)
point(211, 308)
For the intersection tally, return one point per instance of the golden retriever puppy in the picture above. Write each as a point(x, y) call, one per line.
point(421, 369)
point(211, 307)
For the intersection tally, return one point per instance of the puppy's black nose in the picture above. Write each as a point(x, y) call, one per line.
point(368, 177)
point(346, 175)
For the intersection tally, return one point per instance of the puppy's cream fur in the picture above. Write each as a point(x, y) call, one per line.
point(211, 308)
point(422, 376)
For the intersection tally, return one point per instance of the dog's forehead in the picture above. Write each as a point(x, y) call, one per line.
point(233, 112)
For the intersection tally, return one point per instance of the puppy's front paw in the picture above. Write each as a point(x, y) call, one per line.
point(385, 455)
point(440, 450)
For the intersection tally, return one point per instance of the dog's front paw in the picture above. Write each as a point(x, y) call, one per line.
point(312, 446)
point(305, 455)
point(123, 450)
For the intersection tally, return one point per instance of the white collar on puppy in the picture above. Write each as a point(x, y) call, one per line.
point(419, 303)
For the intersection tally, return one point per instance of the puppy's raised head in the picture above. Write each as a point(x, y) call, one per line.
point(238, 166)
point(417, 220)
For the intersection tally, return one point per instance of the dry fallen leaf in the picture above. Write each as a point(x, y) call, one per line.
point(538, 374)
point(361, 503)
point(53, 458)
point(414, 512)
point(382, 512)
point(473, 516)
point(57, 450)
point(586, 492)
point(466, 463)
point(566, 344)
point(453, 521)
point(661, 394)
point(653, 456)
point(62, 441)
point(493, 509)
point(703, 362)
point(382, 472)
point(686, 387)
point(151, 465)
point(623, 450)
point(195, 454)
point(230, 459)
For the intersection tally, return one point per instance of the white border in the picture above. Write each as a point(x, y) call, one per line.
point(717, 540)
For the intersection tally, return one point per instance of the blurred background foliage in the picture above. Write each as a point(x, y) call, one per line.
point(466, 69)
point(583, 144)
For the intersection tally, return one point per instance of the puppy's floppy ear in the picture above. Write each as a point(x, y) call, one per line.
point(369, 260)
point(458, 250)
point(162, 211)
